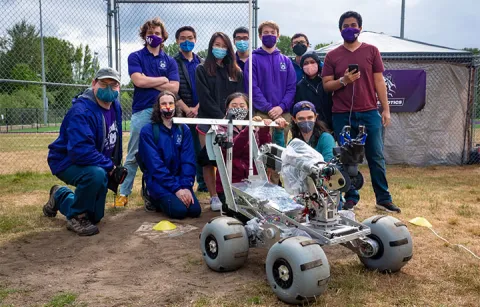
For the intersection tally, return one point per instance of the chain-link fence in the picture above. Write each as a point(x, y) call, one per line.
point(50, 50)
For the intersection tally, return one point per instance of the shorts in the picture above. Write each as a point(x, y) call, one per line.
point(203, 159)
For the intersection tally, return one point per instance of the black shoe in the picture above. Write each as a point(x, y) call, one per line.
point(348, 205)
point(389, 207)
point(82, 226)
point(147, 205)
point(50, 208)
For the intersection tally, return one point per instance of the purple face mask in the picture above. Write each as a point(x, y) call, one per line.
point(350, 34)
point(269, 40)
point(153, 40)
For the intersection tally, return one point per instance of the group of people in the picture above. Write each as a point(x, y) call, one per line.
point(310, 99)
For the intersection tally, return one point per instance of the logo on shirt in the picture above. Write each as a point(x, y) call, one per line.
point(111, 137)
point(179, 139)
point(283, 66)
point(162, 65)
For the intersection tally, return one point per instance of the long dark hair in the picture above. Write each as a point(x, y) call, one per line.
point(156, 113)
point(319, 128)
point(228, 61)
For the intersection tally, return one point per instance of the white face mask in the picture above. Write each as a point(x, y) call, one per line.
point(240, 113)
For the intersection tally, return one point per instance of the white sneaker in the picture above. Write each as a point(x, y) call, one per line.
point(215, 203)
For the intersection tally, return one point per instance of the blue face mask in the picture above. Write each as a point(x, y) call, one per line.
point(219, 53)
point(107, 94)
point(242, 46)
point(187, 46)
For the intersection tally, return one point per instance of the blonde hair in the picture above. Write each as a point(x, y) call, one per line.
point(153, 23)
point(268, 23)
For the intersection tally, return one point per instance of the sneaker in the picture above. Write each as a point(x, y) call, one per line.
point(50, 208)
point(120, 201)
point(81, 225)
point(389, 207)
point(148, 206)
point(348, 205)
point(215, 203)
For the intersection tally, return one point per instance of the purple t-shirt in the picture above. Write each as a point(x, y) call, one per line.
point(111, 131)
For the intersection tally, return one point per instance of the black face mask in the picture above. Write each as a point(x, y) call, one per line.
point(299, 49)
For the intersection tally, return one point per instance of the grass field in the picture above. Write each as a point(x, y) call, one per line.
point(438, 274)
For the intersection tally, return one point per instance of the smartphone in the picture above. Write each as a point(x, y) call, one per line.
point(353, 67)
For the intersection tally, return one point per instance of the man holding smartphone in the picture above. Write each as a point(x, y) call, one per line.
point(354, 73)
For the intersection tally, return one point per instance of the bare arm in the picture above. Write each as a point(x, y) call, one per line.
point(381, 90)
point(330, 84)
point(140, 80)
point(171, 86)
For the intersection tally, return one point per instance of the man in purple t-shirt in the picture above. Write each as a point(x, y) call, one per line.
point(355, 96)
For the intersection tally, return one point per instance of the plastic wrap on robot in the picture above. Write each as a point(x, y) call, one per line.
point(297, 161)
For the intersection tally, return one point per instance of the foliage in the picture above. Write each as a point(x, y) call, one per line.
point(284, 45)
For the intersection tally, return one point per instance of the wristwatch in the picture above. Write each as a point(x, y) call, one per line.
point(342, 82)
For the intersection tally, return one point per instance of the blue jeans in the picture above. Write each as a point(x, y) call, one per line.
point(372, 120)
point(197, 148)
point(138, 120)
point(90, 193)
point(172, 206)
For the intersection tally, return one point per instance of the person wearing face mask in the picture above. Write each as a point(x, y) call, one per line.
point(355, 95)
point(300, 44)
point(273, 82)
point(308, 127)
point(216, 79)
point(310, 88)
point(187, 105)
point(241, 39)
point(168, 159)
point(152, 71)
point(87, 150)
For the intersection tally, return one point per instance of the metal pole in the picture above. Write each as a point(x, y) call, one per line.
point(402, 20)
point(250, 96)
point(44, 87)
point(115, 29)
point(109, 33)
point(255, 26)
point(119, 51)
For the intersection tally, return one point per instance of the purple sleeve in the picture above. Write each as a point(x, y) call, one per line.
point(260, 102)
point(134, 64)
point(290, 89)
point(172, 73)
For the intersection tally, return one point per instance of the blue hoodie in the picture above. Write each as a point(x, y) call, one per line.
point(274, 80)
point(170, 163)
point(82, 136)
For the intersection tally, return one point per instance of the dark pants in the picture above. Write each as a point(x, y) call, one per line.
point(372, 120)
point(90, 193)
point(175, 208)
point(197, 148)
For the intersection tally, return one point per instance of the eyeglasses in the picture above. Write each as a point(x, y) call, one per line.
point(111, 84)
point(300, 42)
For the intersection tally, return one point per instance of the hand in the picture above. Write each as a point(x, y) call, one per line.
point(193, 112)
point(267, 121)
point(275, 112)
point(164, 80)
point(350, 77)
point(281, 122)
point(185, 196)
point(257, 118)
point(386, 118)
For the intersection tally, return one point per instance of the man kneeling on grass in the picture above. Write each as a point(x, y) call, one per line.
point(87, 154)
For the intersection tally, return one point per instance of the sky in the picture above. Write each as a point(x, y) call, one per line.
point(441, 22)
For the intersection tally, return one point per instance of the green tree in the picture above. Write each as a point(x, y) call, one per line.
point(89, 67)
point(203, 53)
point(321, 45)
point(475, 51)
point(78, 64)
point(171, 49)
point(283, 44)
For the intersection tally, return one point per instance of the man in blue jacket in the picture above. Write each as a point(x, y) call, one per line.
point(86, 152)
point(168, 161)
point(273, 79)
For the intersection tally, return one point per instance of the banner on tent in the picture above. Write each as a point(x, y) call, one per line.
point(406, 89)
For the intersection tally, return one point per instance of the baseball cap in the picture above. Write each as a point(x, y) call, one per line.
point(107, 72)
point(303, 106)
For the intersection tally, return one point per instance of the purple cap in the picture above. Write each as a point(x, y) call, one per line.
point(303, 106)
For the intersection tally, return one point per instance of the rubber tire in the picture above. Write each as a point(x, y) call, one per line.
point(394, 251)
point(305, 285)
point(231, 253)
